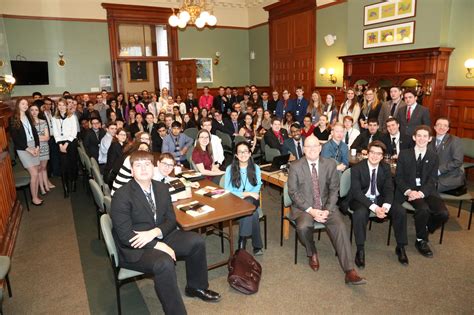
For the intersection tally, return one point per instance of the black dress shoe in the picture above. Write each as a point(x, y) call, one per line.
point(203, 294)
point(242, 242)
point(360, 259)
point(402, 255)
point(423, 248)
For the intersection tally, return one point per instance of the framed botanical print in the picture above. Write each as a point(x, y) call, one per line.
point(389, 11)
point(398, 34)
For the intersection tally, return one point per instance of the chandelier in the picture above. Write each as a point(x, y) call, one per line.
point(193, 12)
point(7, 82)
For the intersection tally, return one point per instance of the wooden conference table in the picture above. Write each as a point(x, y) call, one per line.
point(227, 208)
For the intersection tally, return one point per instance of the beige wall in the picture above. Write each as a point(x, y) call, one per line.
point(132, 87)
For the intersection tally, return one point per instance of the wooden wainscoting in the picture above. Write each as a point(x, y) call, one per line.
point(459, 108)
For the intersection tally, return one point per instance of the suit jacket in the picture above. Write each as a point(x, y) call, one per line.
point(130, 211)
point(405, 177)
point(229, 127)
point(420, 116)
point(290, 147)
point(280, 110)
point(362, 140)
point(190, 104)
point(18, 135)
point(451, 157)
point(360, 183)
point(91, 143)
point(134, 129)
point(273, 141)
point(218, 103)
point(272, 105)
point(300, 185)
point(299, 109)
point(385, 113)
point(406, 142)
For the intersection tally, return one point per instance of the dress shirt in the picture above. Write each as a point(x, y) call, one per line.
point(159, 177)
point(217, 149)
point(377, 193)
point(296, 147)
point(104, 148)
point(353, 134)
point(417, 152)
point(65, 129)
point(411, 109)
point(330, 149)
point(397, 141)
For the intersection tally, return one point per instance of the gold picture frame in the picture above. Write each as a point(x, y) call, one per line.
point(389, 11)
point(137, 71)
point(397, 34)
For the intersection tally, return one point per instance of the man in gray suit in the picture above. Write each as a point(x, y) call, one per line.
point(391, 108)
point(313, 186)
point(451, 156)
point(413, 114)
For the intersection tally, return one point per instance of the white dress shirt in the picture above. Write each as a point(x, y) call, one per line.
point(65, 129)
point(374, 206)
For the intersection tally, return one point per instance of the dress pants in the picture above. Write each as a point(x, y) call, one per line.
point(188, 246)
point(430, 214)
point(250, 225)
point(336, 230)
point(360, 218)
point(69, 170)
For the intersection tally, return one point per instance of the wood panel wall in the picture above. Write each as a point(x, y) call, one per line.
point(459, 108)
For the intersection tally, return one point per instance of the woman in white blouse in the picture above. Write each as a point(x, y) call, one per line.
point(350, 107)
point(65, 134)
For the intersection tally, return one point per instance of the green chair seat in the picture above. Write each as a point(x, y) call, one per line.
point(4, 266)
point(22, 181)
point(128, 273)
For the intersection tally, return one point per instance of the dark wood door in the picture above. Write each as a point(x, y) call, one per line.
point(183, 77)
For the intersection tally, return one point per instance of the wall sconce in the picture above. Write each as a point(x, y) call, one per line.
point(469, 64)
point(330, 72)
point(61, 61)
point(429, 89)
point(217, 58)
point(7, 82)
point(252, 55)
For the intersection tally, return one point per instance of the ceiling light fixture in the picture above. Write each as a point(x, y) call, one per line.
point(193, 12)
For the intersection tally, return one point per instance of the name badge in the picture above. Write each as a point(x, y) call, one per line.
point(372, 198)
point(297, 112)
point(418, 181)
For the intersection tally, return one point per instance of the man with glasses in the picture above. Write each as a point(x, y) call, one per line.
point(147, 238)
point(336, 149)
point(313, 186)
point(93, 137)
point(372, 191)
point(283, 105)
point(164, 167)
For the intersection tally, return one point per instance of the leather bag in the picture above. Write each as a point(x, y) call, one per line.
point(244, 272)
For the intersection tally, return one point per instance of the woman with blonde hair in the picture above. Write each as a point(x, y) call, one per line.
point(370, 107)
point(315, 107)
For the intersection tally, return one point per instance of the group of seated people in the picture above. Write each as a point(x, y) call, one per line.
point(318, 137)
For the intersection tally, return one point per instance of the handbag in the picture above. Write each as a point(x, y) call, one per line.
point(244, 272)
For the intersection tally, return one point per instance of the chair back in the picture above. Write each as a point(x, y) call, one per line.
point(87, 162)
point(96, 174)
point(106, 227)
point(239, 139)
point(270, 153)
point(345, 184)
point(107, 203)
point(189, 158)
point(286, 197)
point(226, 140)
point(97, 194)
point(191, 132)
point(222, 181)
point(81, 145)
point(468, 147)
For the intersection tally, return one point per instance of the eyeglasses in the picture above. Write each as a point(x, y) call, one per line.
point(243, 152)
point(167, 164)
point(376, 153)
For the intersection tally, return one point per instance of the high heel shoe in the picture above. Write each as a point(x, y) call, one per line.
point(37, 204)
point(242, 242)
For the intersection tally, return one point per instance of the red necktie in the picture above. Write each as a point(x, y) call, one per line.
point(409, 114)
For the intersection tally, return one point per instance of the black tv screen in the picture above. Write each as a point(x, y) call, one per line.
point(30, 72)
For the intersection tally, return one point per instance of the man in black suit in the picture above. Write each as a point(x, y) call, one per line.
point(394, 140)
point(157, 137)
point(150, 126)
point(390, 109)
point(147, 240)
point(190, 102)
point(294, 145)
point(272, 104)
point(365, 138)
point(413, 114)
point(372, 190)
point(221, 102)
point(218, 123)
point(236, 97)
point(275, 137)
point(416, 179)
point(93, 137)
point(232, 125)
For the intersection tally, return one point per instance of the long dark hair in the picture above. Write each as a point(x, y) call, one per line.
point(235, 178)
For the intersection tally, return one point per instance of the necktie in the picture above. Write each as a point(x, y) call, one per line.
point(97, 134)
point(347, 138)
point(392, 111)
point(370, 139)
point(163, 180)
point(298, 150)
point(419, 166)
point(235, 127)
point(438, 142)
point(150, 202)
point(316, 192)
point(394, 146)
point(408, 113)
point(373, 183)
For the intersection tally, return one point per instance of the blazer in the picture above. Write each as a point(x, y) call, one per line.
point(299, 108)
point(114, 160)
point(405, 177)
point(190, 103)
point(420, 116)
point(360, 183)
point(300, 184)
point(290, 147)
point(385, 113)
point(280, 111)
point(362, 140)
point(451, 157)
point(133, 128)
point(18, 135)
point(91, 143)
point(273, 141)
point(130, 211)
point(373, 113)
point(406, 142)
point(221, 105)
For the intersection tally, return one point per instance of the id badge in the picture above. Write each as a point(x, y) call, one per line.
point(418, 181)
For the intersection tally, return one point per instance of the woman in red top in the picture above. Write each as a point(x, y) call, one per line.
point(247, 131)
point(308, 126)
point(202, 157)
point(206, 100)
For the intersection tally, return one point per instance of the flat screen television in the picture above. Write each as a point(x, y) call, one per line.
point(30, 72)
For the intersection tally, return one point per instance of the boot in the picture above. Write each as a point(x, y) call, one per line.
point(242, 242)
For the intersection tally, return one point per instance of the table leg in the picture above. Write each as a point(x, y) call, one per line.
point(231, 250)
point(286, 224)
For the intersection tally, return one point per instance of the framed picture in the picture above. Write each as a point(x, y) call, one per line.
point(398, 34)
point(137, 71)
point(203, 70)
point(389, 11)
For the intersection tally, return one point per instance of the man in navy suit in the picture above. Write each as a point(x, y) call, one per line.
point(416, 179)
point(294, 145)
point(147, 240)
point(413, 114)
point(372, 191)
point(299, 105)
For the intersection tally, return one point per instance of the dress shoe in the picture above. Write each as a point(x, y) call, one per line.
point(353, 278)
point(360, 259)
point(242, 242)
point(37, 204)
point(257, 251)
point(314, 262)
point(402, 255)
point(203, 294)
point(423, 248)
